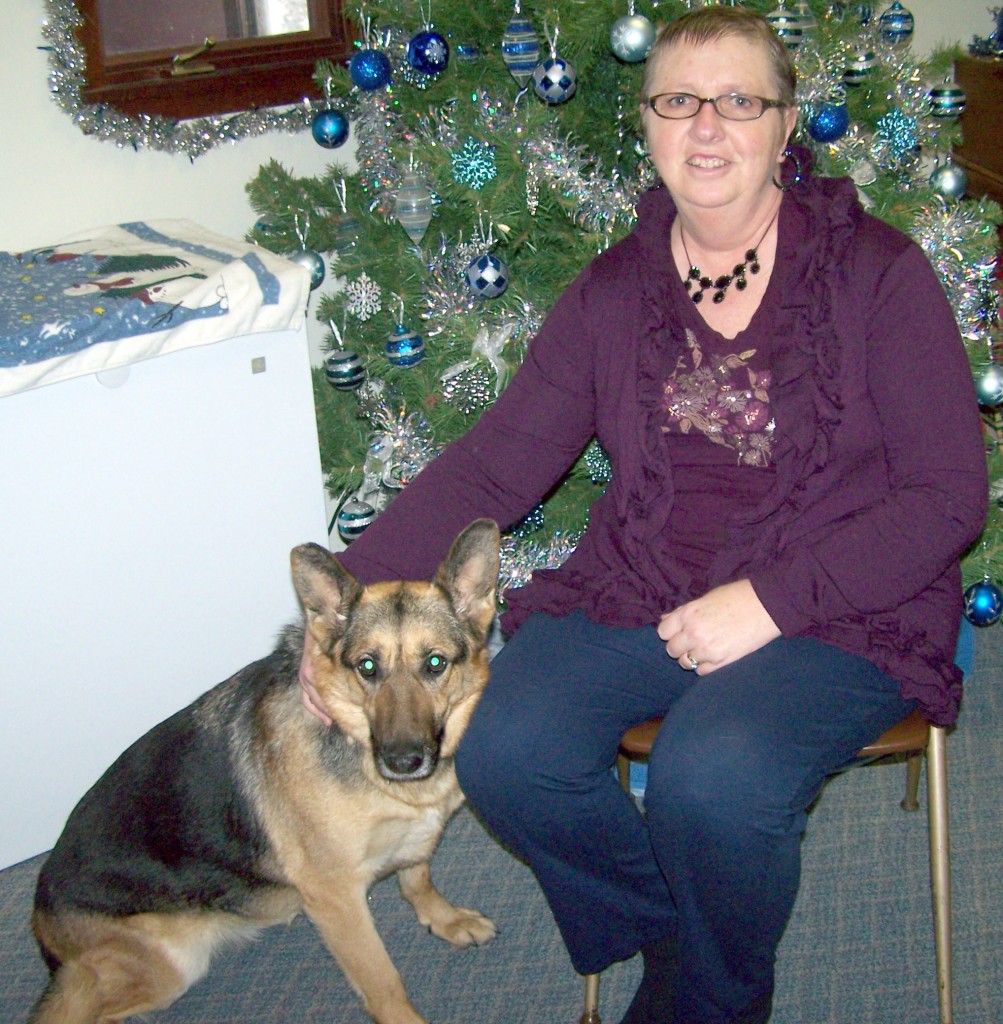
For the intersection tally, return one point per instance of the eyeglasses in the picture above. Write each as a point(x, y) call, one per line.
point(733, 106)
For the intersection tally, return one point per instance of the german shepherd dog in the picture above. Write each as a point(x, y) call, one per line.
point(243, 809)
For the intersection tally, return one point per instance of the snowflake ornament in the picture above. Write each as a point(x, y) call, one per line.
point(474, 163)
point(365, 299)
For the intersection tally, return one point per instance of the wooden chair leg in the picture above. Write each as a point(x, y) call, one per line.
point(623, 772)
point(940, 866)
point(913, 767)
point(591, 1013)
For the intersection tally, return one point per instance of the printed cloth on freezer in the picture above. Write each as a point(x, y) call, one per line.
point(110, 296)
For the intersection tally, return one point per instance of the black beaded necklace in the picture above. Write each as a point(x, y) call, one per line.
point(750, 264)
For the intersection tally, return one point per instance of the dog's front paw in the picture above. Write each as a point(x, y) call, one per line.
point(464, 927)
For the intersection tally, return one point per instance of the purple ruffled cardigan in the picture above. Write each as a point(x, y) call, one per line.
point(880, 478)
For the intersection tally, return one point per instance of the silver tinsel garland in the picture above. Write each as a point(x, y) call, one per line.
point(959, 241)
point(67, 67)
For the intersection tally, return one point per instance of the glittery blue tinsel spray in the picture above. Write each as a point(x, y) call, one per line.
point(899, 131)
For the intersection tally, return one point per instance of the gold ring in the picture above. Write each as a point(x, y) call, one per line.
point(693, 663)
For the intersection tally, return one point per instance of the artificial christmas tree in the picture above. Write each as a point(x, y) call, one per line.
point(498, 151)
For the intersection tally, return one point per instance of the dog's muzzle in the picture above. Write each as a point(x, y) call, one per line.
point(406, 765)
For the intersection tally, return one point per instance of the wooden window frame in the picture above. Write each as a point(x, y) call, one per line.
point(246, 74)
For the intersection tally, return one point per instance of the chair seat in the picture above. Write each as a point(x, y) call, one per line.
point(905, 737)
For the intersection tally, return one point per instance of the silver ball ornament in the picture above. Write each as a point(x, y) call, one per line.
point(949, 180)
point(631, 37)
point(989, 386)
point(313, 262)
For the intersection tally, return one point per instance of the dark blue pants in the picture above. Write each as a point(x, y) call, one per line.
point(740, 757)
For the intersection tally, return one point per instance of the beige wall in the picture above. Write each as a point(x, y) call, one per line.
point(53, 179)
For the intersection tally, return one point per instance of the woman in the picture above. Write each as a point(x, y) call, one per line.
point(797, 466)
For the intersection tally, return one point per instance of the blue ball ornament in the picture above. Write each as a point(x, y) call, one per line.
point(353, 518)
point(983, 603)
point(329, 128)
point(487, 276)
point(428, 52)
point(829, 122)
point(404, 347)
point(344, 370)
point(370, 69)
point(896, 24)
point(554, 80)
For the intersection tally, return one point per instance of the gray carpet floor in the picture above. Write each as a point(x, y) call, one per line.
point(859, 947)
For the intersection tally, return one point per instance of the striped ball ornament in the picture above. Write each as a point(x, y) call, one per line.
point(404, 347)
point(787, 26)
point(344, 370)
point(947, 102)
point(353, 518)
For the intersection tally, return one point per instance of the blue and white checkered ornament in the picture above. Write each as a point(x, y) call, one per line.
point(404, 347)
point(487, 276)
point(555, 80)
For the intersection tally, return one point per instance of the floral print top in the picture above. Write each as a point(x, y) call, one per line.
point(724, 398)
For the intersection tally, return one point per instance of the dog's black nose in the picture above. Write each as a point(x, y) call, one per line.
point(404, 764)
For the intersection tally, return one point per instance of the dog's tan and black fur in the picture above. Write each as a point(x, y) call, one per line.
point(243, 809)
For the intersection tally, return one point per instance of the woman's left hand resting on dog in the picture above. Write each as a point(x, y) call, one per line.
point(725, 624)
point(311, 698)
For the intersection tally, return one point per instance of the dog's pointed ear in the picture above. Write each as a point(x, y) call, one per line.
point(325, 588)
point(470, 572)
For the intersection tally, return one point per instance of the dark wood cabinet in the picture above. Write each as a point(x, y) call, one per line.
point(981, 154)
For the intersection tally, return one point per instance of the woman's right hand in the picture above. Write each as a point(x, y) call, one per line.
point(309, 694)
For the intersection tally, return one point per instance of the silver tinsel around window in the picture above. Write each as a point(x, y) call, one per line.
point(67, 65)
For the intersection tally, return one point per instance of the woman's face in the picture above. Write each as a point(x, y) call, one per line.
point(707, 161)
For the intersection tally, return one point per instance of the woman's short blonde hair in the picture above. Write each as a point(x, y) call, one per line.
point(708, 24)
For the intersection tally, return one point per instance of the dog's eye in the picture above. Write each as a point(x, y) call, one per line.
point(366, 668)
point(435, 664)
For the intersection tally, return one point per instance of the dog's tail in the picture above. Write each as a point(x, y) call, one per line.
point(71, 997)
